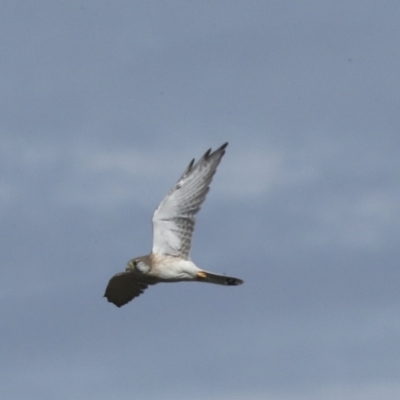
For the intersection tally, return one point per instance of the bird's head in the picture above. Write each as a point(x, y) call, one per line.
point(137, 265)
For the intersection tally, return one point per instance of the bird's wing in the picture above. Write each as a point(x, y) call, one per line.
point(173, 221)
point(124, 287)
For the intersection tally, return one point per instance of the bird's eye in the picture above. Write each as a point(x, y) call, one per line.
point(131, 265)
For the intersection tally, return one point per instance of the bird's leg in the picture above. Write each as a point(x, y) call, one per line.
point(201, 275)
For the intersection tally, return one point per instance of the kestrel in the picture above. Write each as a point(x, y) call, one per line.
point(173, 226)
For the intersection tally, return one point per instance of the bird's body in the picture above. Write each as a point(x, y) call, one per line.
point(173, 226)
point(168, 268)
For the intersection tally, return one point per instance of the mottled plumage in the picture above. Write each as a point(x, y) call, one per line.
point(173, 226)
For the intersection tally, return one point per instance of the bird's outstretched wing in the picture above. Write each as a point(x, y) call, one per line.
point(173, 221)
point(124, 287)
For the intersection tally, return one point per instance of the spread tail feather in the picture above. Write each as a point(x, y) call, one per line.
point(209, 277)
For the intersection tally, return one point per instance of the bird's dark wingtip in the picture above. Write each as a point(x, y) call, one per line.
point(119, 305)
point(220, 149)
point(207, 153)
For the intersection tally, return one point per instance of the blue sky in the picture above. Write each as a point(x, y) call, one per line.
point(103, 105)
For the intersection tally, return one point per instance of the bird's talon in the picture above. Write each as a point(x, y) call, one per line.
point(201, 275)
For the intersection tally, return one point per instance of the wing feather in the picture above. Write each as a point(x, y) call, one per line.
point(124, 287)
point(174, 221)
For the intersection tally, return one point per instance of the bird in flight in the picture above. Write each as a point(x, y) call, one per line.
point(173, 226)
